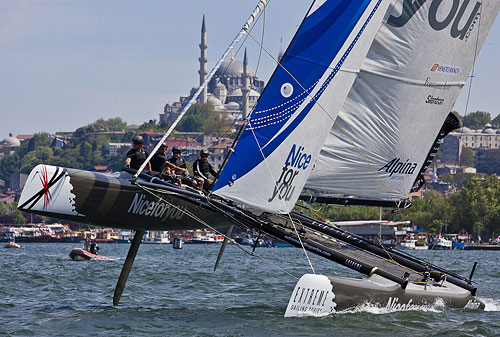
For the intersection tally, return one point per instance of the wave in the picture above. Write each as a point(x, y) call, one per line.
point(491, 304)
point(375, 308)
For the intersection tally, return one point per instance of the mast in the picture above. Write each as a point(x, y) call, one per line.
point(260, 6)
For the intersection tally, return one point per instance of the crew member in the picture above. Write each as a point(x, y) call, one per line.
point(201, 169)
point(162, 167)
point(180, 173)
point(137, 155)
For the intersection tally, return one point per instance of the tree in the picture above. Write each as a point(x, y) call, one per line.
point(467, 157)
point(477, 120)
point(496, 121)
point(152, 125)
point(490, 163)
point(204, 118)
point(116, 124)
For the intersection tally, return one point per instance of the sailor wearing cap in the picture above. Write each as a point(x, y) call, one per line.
point(201, 169)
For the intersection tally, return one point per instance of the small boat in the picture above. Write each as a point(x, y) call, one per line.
point(178, 243)
point(156, 237)
point(411, 245)
point(209, 238)
point(12, 244)
point(80, 254)
point(441, 243)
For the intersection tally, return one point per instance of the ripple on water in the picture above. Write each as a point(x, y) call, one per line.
point(172, 292)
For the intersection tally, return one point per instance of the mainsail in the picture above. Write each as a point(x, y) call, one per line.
point(412, 75)
point(288, 126)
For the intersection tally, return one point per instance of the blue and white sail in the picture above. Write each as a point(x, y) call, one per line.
point(412, 75)
point(277, 149)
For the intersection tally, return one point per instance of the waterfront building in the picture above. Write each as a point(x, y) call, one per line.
point(486, 139)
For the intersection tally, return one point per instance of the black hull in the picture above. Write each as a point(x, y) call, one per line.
point(119, 201)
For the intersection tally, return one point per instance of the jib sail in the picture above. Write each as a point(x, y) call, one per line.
point(288, 126)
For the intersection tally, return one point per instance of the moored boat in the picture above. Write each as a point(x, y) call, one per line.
point(209, 238)
point(441, 243)
point(412, 245)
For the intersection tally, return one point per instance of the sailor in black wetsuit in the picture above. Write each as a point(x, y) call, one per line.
point(162, 167)
point(137, 155)
point(201, 169)
point(181, 172)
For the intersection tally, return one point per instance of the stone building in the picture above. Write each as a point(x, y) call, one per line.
point(486, 139)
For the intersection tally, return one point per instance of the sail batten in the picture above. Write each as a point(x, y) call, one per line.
point(408, 83)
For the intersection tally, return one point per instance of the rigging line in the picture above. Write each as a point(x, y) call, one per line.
point(263, 14)
point(244, 30)
point(471, 80)
point(196, 218)
point(276, 183)
point(390, 260)
point(331, 117)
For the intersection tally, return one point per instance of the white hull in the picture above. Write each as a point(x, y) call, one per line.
point(312, 295)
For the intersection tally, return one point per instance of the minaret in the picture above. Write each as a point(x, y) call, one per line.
point(246, 88)
point(281, 53)
point(203, 61)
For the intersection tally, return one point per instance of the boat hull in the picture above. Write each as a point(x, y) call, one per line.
point(79, 254)
point(349, 293)
point(12, 245)
point(114, 200)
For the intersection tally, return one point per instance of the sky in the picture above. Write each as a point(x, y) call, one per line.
point(66, 63)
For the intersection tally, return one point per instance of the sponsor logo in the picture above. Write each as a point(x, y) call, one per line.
point(445, 69)
point(438, 85)
point(140, 205)
point(393, 304)
point(434, 100)
point(441, 15)
point(398, 167)
point(309, 300)
point(296, 161)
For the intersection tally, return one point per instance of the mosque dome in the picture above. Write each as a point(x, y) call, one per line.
point(232, 69)
point(11, 141)
point(489, 131)
point(232, 106)
point(214, 101)
point(239, 93)
point(466, 130)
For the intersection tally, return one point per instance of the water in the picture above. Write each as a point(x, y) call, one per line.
point(176, 293)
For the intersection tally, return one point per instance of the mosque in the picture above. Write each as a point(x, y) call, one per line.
point(226, 91)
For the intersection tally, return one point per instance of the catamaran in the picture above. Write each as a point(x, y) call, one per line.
point(356, 109)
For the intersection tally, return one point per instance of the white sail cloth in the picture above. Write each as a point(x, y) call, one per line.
point(408, 83)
